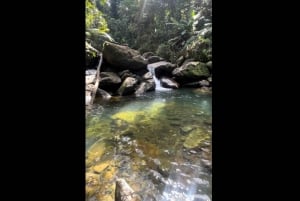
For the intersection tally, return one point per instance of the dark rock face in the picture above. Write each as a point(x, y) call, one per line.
point(162, 68)
point(169, 83)
point(109, 81)
point(128, 86)
point(123, 57)
point(191, 71)
point(109, 78)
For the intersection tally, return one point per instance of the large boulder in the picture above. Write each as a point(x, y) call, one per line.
point(128, 86)
point(163, 68)
point(191, 71)
point(123, 57)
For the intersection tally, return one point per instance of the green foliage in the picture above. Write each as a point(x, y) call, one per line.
point(94, 18)
point(171, 28)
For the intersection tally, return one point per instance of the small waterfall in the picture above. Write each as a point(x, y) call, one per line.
point(158, 86)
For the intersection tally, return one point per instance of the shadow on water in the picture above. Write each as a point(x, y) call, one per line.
point(160, 143)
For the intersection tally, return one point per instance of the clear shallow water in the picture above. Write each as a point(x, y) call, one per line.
point(159, 143)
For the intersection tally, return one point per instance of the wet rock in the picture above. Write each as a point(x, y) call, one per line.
point(187, 128)
point(163, 68)
point(128, 86)
point(92, 183)
point(144, 87)
point(169, 83)
point(124, 192)
point(109, 173)
point(156, 177)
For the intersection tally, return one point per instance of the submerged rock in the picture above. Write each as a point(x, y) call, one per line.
point(95, 153)
point(195, 138)
point(124, 192)
point(92, 183)
point(100, 167)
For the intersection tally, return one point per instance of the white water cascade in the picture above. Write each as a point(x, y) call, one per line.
point(158, 86)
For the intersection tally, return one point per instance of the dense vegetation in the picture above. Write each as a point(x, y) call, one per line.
point(169, 28)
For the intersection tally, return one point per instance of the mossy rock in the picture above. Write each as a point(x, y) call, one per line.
point(191, 71)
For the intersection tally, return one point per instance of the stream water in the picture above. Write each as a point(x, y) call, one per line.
point(160, 143)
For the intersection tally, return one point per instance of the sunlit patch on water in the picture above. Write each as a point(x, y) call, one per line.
point(159, 143)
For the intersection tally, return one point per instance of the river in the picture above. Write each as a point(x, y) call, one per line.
point(160, 143)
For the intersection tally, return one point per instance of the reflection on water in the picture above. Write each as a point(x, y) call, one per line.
point(159, 143)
